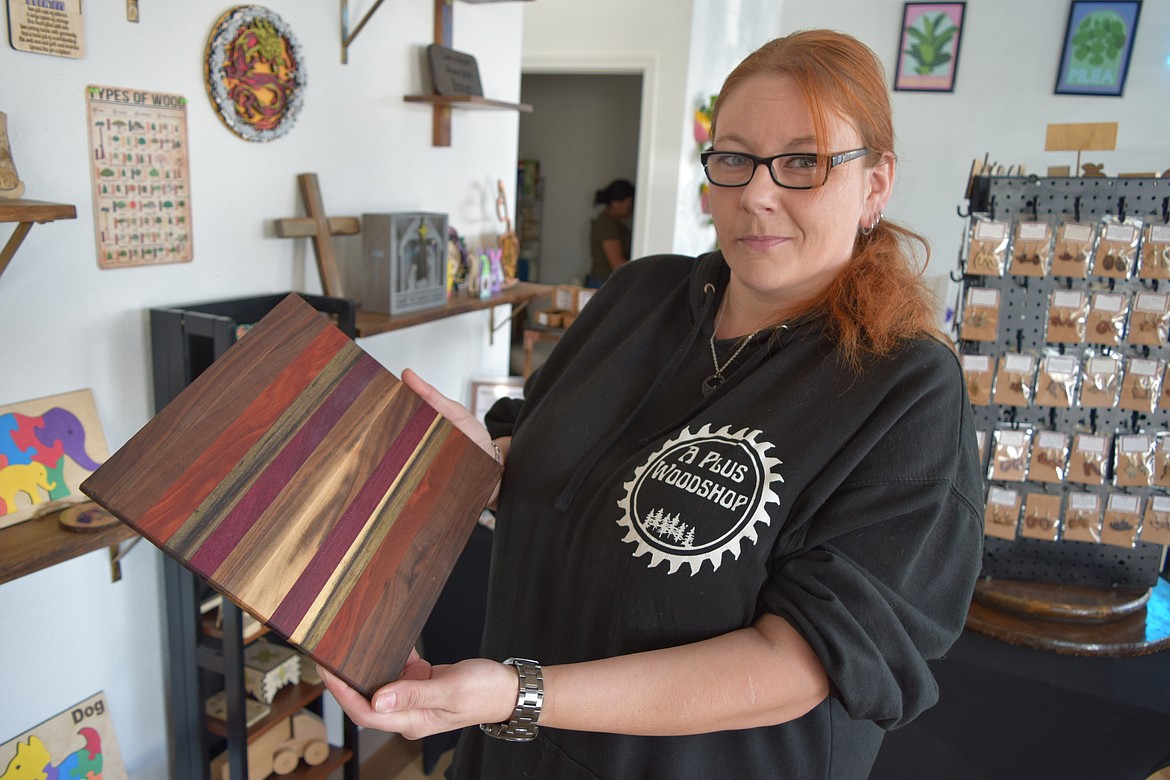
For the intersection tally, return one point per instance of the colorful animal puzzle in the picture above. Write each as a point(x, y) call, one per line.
point(78, 743)
point(47, 447)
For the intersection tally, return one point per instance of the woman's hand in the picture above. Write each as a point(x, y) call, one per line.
point(432, 699)
point(459, 416)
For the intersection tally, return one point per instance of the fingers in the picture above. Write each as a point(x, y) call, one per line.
point(453, 411)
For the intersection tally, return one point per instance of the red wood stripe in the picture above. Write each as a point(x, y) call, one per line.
point(357, 515)
point(172, 509)
point(280, 471)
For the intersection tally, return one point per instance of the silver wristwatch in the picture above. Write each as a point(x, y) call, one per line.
point(530, 698)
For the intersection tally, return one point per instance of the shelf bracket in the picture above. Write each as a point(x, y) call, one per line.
point(13, 244)
point(516, 309)
point(347, 36)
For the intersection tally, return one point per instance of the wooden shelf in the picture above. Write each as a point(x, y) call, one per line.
point(337, 757)
point(37, 544)
point(467, 102)
point(25, 213)
point(288, 700)
point(372, 323)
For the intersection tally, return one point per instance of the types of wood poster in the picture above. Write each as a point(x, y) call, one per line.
point(51, 27)
point(79, 742)
point(47, 447)
point(140, 176)
point(309, 485)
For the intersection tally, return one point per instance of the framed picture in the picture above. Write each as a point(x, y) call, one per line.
point(1098, 42)
point(485, 391)
point(928, 53)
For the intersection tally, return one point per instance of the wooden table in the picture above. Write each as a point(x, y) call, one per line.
point(531, 336)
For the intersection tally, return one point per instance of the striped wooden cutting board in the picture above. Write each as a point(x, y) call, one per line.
point(309, 486)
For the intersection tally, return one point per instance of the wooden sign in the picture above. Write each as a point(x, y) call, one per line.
point(51, 27)
point(1081, 137)
point(310, 486)
point(453, 72)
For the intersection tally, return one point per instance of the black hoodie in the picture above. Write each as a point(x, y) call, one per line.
point(637, 513)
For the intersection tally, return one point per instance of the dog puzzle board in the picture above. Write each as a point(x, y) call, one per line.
point(310, 486)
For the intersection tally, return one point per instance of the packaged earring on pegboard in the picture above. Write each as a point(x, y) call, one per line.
point(977, 370)
point(1156, 521)
point(1106, 322)
point(1141, 384)
point(1149, 319)
point(1162, 459)
point(1122, 516)
point(1088, 459)
point(980, 315)
point(1031, 249)
point(1155, 254)
point(987, 246)
point(1101, 385)
point(1074, 247)
point(1116, 253)
point(1014, 381)
point(1056, 381)
point(1009, 455)
point(1041, 517)
point(1133, 460)
point(1082, 518)
point(1001, 513)
point(1068, 311)
point(1049, 461)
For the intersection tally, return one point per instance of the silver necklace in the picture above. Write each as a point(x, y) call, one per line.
point(712, 383)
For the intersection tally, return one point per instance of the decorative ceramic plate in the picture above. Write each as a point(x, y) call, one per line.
point(255, 73)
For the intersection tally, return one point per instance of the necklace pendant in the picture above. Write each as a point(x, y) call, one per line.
point(711, 384)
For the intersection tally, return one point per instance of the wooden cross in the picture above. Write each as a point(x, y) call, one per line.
point(321, 229)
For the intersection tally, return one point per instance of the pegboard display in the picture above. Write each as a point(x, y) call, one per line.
point(1063, 321)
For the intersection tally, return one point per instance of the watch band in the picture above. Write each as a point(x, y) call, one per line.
point(529, 699)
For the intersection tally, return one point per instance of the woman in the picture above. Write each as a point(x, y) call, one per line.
point(609, 234)
point(742, 504)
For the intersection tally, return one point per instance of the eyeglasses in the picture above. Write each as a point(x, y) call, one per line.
point(800, 171)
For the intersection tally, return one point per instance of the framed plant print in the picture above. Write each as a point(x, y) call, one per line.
point(928, 52)
point(1098, 42)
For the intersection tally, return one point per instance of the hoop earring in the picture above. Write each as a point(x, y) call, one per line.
point(865, 231)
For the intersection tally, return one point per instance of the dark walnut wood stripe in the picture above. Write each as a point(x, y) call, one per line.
point(291, 447)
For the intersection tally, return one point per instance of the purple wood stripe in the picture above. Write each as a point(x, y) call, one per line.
point(296, 604)
point(277, 474)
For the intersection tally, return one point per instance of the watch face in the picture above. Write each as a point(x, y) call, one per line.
point(255, 73)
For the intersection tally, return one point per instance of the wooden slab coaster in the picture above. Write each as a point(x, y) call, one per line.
point(311, 487)
point(86, 516)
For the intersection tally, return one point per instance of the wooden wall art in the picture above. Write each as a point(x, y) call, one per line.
point(310, 486)
point(79, 742)
point(140, 176)
point(47, 447)
point(55, 28)
point(255, 72)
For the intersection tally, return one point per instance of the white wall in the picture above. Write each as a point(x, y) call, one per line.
point(723, 32)
point(584, 132)
point(651, 37)
point(66, 324)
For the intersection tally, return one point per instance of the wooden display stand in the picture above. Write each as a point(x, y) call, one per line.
point(1073, 619)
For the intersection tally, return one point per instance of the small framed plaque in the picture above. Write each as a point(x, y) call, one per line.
point(453, 72)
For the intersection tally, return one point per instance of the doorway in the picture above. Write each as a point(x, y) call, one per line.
point(582, 133)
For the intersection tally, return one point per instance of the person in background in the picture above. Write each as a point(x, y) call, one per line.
point(609, 234)
point(742, 503)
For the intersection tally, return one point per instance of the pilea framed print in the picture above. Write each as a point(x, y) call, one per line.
point(1098, 42)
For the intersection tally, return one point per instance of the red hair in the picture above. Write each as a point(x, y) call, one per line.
point(879, 299)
